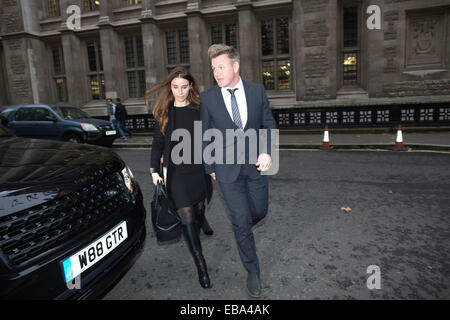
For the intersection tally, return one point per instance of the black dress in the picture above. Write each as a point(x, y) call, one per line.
point(186, 181)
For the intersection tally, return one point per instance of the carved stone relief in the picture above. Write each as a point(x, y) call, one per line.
point(425, 39)
point(16, 62)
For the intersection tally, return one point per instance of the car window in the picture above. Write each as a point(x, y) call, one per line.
point(70, 113)
point(33, 114)
point(24, 114)
point(6, 112)
point(41, 114)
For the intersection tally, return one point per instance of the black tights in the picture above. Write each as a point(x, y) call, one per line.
point(192, 213)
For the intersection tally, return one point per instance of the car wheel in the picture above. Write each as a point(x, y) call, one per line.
point(73, 138)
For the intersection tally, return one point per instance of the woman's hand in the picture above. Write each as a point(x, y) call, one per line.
point(156, 177)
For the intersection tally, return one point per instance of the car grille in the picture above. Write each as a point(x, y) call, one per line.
point(35, 232)
point(106, 127)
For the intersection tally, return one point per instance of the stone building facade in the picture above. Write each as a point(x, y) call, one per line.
point(306, 52)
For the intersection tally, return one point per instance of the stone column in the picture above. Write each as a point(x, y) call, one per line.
point(297, 54)
point(113, 63)
point(113, 54)
point(249, 48)
point(78, 91)
point(315, 41)
point(381, 58)
point(3, 92)
point(198, 47)
point(75, 57)
point(28, 77)
point(106, 8)
point(42, 83)
point(36, 53)
point(153, 46)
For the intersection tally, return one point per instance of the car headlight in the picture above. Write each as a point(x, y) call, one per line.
point(89, 127)
point(127, 178)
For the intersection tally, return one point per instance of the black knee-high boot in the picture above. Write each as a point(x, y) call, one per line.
point(191, 234)
point(202, 222)
point(207, 228)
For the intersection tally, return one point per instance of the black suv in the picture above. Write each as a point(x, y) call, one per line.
point(72, 219)
point(58, 122)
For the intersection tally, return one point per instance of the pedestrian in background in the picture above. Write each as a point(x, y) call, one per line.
point(122, 115)
point(113, 119)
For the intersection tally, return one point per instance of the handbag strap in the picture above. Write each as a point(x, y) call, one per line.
point(160, 190)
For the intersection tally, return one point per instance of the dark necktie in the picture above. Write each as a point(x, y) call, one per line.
point(235, 109)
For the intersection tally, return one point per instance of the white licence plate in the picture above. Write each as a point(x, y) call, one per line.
point(94, 252)
point(110, 132)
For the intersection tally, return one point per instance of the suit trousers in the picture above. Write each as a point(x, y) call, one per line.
point(247, 201)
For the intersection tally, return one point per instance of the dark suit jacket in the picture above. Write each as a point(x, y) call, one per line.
point(214, 114)
point(161, 146)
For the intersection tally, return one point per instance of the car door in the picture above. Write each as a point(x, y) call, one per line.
point(35, 122)
point(22, 122)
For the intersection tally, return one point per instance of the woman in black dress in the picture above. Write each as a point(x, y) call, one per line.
point(177, 107)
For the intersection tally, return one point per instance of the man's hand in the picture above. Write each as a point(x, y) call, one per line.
point(213, 175)
point(264, 162)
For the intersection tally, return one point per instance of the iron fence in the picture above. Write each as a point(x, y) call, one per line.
point(382, 116)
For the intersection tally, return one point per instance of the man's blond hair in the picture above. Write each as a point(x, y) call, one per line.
point(218, 49)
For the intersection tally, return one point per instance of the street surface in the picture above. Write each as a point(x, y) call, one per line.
point(308, 246)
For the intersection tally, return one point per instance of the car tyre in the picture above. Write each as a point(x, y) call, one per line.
point(73, 138)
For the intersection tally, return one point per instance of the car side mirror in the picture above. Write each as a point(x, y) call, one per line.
point(50, 118)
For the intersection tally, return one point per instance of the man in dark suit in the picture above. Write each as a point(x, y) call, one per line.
point(236, 104)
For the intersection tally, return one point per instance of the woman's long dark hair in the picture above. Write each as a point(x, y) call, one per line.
point(165, 98)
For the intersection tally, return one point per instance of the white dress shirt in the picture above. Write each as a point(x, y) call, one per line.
point(240, 99)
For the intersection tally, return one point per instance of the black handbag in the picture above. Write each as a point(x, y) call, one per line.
point(165, 219)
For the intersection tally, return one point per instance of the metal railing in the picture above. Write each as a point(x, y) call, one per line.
point(382, 116)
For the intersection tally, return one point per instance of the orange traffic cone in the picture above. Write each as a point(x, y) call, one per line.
point(326, 139)
point(399, 140)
